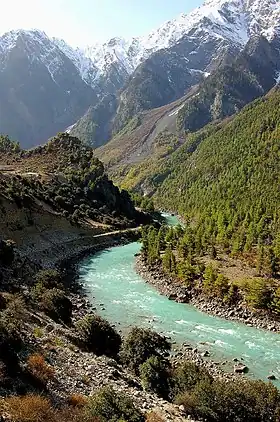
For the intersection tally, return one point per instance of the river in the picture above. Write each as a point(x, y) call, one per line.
point(121, 296)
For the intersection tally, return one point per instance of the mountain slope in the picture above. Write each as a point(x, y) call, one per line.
point(41, 91)
point(231, 167)
point(232, 86)
point(229, 88)
point(181, 53)
point(66, 177)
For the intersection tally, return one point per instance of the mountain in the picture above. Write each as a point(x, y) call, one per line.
point(232, 86)
point(227, 170)
point(235, 83)
point(47, 86)
point(182, 53)
point(41, 91)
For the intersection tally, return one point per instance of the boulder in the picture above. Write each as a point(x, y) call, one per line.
point(272, 377)
point(240, 369)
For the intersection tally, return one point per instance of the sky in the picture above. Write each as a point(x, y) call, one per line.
point(84, 22)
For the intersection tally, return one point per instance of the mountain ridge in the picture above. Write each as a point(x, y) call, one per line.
point(108, 85)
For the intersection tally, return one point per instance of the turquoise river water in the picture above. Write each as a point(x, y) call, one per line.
point(122, 297)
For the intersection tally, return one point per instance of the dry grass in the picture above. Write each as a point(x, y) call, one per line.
point(77, 400)
point(29, 408)
point(34, 408)
point(154, 417)
point(38, 367)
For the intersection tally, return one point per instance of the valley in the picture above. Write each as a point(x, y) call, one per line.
point(111, 308)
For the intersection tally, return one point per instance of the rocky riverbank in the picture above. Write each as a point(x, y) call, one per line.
point(79, 372)
point(175, 291)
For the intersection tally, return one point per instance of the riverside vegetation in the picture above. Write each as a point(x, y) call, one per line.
point(58, 359)
point(29, 377)
point(227, 177)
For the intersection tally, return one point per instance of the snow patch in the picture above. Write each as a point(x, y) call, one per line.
point(174, 113)
point(231, 20)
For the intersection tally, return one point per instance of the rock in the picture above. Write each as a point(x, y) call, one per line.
point(205, 354)
point(235, 360)
point(241, 369)
point(182, 408)
point(272, 377)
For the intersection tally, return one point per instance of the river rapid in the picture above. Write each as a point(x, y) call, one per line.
point(121, 296)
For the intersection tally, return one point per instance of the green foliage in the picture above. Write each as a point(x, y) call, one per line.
point(209, 279)
point(228, 191)
point(258, 292)
point(145, 203)
point(169, 261)
point(141, 344)
point(234, 401)
point(48, 279)
point(56, 304)
point(155, 374)
point(98, 336)
point(8, 146)
point(11, 318)
point(109, 406)
point(276, 301)
point(187, 376)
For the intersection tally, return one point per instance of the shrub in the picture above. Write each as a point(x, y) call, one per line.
point(109, 406)
point(10, 338)
point(187, 376)
point(38, 367)
point(35, 408)
point(235, 401)
point(155, 375)
point(258, 293)
point(30, 408)
point(77, 400)
point(48, 279)
point(99, 336)
point(57, 305)
point(141, 344)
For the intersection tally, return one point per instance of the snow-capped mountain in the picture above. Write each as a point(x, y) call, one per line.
point(232, 20)
point(165, 64)
point(41, 88)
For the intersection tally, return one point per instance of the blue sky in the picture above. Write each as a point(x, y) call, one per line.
point(82, 22)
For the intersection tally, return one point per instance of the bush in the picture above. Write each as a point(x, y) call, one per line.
point(34, 408)
point(187, 376)
point(29, 408)
point(10, 339)
point(77, 400)
point(57, 305)
point(141, 344)
point(48, 279)
point(235, 401)
point(99, 336)
point(155, 374)
point(109, 406)
point(38, 367)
